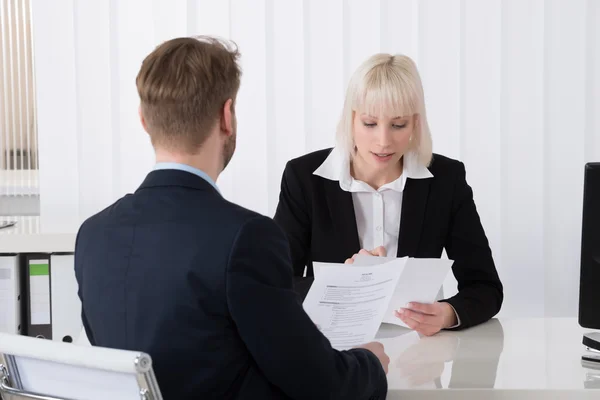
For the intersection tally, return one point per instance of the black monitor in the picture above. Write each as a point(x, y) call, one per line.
point(589, 283)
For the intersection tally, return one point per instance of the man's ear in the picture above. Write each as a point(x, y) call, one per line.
point(227, 118)
point(142, 120)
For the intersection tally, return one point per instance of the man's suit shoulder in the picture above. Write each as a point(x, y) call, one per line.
point(102, 215)
point(243, 215)
point(233, 215)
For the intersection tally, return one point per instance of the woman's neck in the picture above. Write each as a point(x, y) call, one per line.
point(360, 170)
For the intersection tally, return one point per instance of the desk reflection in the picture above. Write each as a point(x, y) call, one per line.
point(418, 362)
point(592, 380)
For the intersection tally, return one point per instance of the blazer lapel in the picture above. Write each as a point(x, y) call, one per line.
point(341, 209)
point(414, 203)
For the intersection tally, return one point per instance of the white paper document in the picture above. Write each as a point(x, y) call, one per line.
point(420, 282)
point(348, 304)
point(420, 279)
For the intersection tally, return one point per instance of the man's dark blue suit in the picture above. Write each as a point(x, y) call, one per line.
point(205, 287)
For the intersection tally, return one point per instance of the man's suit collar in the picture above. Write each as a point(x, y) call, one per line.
point(176, 178)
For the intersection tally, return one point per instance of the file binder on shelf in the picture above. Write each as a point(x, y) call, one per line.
point(10, 294)
point(37, 304)
point(66, 306)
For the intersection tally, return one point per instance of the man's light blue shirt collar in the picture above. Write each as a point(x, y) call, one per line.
point(187, 168)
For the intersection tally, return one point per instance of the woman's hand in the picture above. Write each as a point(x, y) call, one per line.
point(427, 319)
point(377, 252)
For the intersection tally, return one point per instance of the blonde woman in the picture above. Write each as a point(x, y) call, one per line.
point(380, 189)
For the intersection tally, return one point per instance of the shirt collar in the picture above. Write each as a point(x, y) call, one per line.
point(187, 168)
point(336, 167)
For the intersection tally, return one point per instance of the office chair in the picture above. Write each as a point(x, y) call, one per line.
point(42, 369)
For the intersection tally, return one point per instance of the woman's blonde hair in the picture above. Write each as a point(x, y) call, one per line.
point(390, 85)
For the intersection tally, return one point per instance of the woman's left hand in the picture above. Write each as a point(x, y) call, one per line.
point(427, 319)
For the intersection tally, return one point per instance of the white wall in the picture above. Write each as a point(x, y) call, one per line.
point(511, 86)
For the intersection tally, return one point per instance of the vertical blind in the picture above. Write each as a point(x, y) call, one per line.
point(512, 89)
point(18, 129)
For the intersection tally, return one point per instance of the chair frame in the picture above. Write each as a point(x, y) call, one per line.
point(10, 381)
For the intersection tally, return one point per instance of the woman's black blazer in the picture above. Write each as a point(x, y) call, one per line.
point(437, 213)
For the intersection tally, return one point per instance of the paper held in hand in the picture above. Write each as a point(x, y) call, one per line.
point(350, 301)
point(348, 304)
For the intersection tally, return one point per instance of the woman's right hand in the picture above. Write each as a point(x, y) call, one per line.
point(377, 252)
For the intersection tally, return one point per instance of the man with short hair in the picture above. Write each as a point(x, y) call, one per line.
point(202, 285)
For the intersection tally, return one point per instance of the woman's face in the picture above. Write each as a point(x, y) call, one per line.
point(382, 141)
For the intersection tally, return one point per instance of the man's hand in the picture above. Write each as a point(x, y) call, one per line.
point(377, 252)
point(427, 319)
point(377, 349)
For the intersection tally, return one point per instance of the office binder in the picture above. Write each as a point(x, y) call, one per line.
point(66, 306)
point(37, 307)
point(10, 294)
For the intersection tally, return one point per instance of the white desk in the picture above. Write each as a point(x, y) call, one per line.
point(501, 359)
point(27, 237)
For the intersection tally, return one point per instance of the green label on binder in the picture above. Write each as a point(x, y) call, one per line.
point(39, 269)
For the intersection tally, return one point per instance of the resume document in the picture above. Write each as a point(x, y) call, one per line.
point(348, 302)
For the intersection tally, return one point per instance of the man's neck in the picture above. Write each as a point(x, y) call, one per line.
point(203, 162)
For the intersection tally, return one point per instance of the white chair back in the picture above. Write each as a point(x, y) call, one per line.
point(47, 370)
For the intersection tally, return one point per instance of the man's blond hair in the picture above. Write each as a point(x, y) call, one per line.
point(183, 85)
